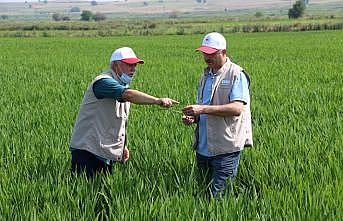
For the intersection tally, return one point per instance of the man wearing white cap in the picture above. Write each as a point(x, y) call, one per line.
point(222, 115)
point(99, 135)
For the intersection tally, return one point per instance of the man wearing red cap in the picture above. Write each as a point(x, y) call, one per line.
point(222, 115)
point(99, 135)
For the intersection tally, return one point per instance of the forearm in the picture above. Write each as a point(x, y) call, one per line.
point(138, 97)
point(231, 109)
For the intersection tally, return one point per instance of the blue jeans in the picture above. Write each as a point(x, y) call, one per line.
point(216, 170)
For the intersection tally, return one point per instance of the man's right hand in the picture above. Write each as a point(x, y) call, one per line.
point(188, 120)
point(167, 102)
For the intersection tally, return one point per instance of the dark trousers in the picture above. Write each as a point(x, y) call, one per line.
point(215, 171)
point(84, 161)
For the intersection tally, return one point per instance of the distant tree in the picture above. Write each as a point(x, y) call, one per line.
point(145, 3)
point(174, 14)
point(86, 15)
point(258, 14)
point(45, 1)
point(4, 17)
point(66, 18)
point(94, 3)
point(56, 17)
point(298, 9)
point(99, 17)
point(75, 9)
point(201, 1)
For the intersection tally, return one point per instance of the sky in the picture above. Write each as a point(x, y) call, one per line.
point(48, 0)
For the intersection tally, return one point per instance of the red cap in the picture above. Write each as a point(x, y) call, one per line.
point(132, 60)
point(207, 50)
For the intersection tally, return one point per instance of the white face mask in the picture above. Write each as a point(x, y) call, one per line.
point(125, 78)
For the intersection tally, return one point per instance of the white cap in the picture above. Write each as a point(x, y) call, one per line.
point(125, 54)
point(212, 43)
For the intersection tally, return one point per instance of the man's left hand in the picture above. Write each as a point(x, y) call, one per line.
point(126, 154)
point(193, 110)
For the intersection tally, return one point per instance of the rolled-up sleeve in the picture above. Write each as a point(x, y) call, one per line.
point(240, 89)
point(109, 88)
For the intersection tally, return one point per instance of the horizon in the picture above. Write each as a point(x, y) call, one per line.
point(29, 1)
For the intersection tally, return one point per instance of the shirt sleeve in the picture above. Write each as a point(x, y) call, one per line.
point(240, 89)
point(108, 88)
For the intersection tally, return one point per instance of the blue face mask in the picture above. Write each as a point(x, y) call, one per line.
point(126, 79)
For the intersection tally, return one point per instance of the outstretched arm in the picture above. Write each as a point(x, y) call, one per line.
point(137, 97)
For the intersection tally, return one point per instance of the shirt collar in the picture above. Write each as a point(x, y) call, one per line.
point(210, 72)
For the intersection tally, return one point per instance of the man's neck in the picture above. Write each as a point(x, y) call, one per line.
point(215, 69)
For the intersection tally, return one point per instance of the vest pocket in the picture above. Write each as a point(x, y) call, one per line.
point(231, 126)
point(224, 87)
point(102, 145)
point(114, 151)
point(222, 93)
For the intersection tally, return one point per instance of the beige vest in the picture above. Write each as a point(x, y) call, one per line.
point(100, 127)
point(225, 134)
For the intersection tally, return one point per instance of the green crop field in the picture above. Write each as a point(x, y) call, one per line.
point(294, 171)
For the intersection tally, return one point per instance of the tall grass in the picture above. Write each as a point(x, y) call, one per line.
point(294, 172)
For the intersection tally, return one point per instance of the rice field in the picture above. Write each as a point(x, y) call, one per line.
point(294, 171)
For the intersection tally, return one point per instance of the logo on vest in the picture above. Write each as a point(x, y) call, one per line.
point(224, 82)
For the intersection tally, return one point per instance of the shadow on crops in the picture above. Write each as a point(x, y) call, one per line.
point(102, 206)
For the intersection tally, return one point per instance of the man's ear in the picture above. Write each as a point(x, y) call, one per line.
point(224, 51)
point(113, 65)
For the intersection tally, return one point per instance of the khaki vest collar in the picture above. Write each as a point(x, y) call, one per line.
point(219, 75)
